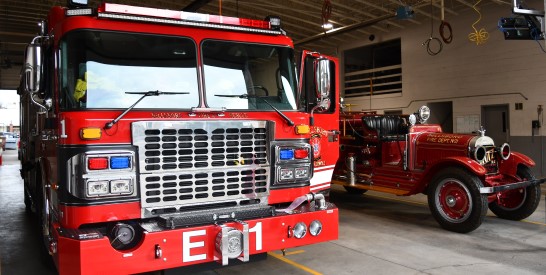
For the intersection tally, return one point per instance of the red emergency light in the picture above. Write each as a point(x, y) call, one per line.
point(126, 12)
point(98, 163)
point(301, 153)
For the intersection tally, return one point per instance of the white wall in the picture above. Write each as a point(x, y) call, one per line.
point(464, 69)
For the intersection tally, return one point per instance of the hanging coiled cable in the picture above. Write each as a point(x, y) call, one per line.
point(444, 25)
point(427, 42)
point(326, 13)
point(481, 36)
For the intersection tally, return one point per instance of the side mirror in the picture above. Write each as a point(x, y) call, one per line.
point(322, 78)
point(33, 68)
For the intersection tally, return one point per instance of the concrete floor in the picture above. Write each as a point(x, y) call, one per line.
point(379, 234)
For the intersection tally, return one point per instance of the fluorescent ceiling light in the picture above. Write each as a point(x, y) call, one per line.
point(327, 26)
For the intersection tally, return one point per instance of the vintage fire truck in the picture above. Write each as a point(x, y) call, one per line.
point(155, 139)
point(461, 174)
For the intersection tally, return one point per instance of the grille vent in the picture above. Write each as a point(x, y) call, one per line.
point(184, 164)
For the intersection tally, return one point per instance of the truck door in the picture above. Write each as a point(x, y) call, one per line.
point(319, 95)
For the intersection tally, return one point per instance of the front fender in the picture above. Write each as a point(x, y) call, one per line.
point(510, 166)
point(465, 162)
point(459, 161)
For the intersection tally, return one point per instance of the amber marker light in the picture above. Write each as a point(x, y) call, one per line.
point(90, 133)
point(302, 129)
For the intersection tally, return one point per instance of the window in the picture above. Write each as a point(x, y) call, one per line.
point(98, 68)
point(248, 76)
point(373, 70)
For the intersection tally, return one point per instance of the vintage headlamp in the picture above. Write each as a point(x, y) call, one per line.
point(479, 154)
point(424, 114)
point(504, 151)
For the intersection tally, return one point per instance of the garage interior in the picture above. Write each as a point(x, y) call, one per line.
point(390, 63)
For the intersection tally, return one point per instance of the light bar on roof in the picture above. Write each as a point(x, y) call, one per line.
point(125, 12)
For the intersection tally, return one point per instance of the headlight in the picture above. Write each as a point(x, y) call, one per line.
point(301, 173)
point(292, 163)
point(121, 186)
point(97, 188)
point(424, 114)
point(504, 151)
point(299, 231)
point(286, 174)
point(315, 228)
point(100, 174)
point(479, 154)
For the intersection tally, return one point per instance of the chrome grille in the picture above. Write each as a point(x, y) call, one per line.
point(186, 163)
point(490, 161)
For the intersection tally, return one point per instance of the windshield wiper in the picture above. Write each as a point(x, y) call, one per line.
point(246, 96)
point(109, 125)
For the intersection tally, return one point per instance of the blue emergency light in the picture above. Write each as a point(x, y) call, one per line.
point(286, 154)
point(122, 162)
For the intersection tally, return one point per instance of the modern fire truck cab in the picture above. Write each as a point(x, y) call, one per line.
point(153, 139)
point(462, 174)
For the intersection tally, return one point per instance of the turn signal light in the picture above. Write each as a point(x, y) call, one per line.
point(90, 133)
point(302, 129)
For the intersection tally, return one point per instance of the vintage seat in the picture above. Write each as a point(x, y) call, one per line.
point(386, 128)
point(372, 127)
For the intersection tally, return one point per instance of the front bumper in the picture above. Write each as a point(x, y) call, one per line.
point(516, 185)
point(190, 245)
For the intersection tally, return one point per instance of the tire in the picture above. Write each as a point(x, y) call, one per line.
point(455, 201)
point(354, 190)
point(517, 204)
point(46, 259)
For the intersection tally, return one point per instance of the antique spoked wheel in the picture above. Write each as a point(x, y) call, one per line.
point(517, 204)
point(455, 201)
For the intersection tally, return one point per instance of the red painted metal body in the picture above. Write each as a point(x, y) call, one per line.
point(267, 234)
point(67, 216)
point(406, 166)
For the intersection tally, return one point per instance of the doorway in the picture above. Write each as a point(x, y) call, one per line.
point(496, 122)
point(441, 113)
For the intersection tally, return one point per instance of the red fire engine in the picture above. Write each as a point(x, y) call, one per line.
point(461, 174)
point(154, 139)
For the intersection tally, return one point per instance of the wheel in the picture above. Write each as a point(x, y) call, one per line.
point(45, 257)
point(517, 204)
point(455, 201)
point(354, 190)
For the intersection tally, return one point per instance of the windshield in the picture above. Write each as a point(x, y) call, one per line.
point(99, 67)
point(265, 73)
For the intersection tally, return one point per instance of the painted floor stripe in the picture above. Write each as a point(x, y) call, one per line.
point(539, 223)
point(292, 263)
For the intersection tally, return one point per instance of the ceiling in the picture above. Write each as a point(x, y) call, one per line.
point(301, 19)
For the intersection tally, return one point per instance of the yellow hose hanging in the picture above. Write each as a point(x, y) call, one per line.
point(479, 37)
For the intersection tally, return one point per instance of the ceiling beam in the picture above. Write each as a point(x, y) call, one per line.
point(344, 29)
point(196, 5)
point(375, 6)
